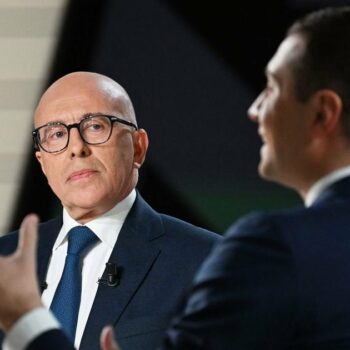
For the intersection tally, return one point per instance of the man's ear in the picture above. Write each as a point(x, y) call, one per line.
point(140, 139)
point(327, 113)
point(40, 160)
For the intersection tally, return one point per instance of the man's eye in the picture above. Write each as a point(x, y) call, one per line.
point(56, 135)
point(93, 127)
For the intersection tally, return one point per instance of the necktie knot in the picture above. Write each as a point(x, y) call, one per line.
point(79, 239)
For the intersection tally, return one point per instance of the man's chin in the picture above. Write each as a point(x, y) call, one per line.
point(269, 172)
point(262, 168)
point(265, 170)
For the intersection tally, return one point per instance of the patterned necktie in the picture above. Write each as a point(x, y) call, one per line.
point(66, 301)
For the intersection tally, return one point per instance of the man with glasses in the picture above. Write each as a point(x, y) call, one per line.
point(90, 149)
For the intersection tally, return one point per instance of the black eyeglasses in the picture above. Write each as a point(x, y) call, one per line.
point(93, 129)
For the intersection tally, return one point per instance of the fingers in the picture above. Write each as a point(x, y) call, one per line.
point(28, 235)
point(107, 340)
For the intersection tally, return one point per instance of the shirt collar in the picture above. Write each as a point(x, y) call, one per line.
point(319, 186)
point(101, 226)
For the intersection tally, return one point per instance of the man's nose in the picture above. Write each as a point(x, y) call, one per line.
point(253, 110)
point(77, 146)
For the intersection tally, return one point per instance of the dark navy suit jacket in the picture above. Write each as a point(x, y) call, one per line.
point(277, 281)
point(157, 256)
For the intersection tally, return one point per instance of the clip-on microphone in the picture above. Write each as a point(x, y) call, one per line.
point(112, 279)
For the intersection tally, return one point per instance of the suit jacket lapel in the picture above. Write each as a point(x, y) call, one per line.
point(134, 253)
point(47, 235)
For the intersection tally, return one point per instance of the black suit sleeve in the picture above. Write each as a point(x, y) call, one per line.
point(243, 296)
point(53, 339)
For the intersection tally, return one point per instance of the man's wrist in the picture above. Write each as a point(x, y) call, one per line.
point(21, 309)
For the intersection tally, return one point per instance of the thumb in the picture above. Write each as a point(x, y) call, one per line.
point(107, 340)
point(28, 236)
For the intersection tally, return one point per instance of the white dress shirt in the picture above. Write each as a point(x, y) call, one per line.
point(319, 186)
point(106, 228)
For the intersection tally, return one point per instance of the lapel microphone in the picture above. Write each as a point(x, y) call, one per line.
point(43, 286)
point(111, 280)
point(110, 277)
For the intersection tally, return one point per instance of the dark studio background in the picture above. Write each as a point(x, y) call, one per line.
point(191, 69)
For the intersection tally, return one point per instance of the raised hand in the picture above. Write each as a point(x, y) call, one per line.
point(19, 290)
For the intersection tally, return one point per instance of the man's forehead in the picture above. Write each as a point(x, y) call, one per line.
point(288, 51)
point(72, 106)
point(66, 91)
point(84, 85)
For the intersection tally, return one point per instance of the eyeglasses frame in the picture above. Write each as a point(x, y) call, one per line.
point(113, 119)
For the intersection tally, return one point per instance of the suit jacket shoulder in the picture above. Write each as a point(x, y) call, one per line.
point(277, 280)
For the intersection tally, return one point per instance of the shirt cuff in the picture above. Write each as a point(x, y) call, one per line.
point(29, 327)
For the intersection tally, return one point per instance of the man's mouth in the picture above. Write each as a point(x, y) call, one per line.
point(262, 136)
point(81, 174)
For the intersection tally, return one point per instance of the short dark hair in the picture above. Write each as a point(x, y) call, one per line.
point(325, 63)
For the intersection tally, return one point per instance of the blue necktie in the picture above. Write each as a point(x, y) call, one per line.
point(66, 301)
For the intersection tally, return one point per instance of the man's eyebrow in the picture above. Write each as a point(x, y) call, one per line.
point(91, 114)
point(61, 121)
point(84, 116)
point(51, 122)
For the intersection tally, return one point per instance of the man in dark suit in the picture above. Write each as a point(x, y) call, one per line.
point(90, 149)
point(282, 280)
